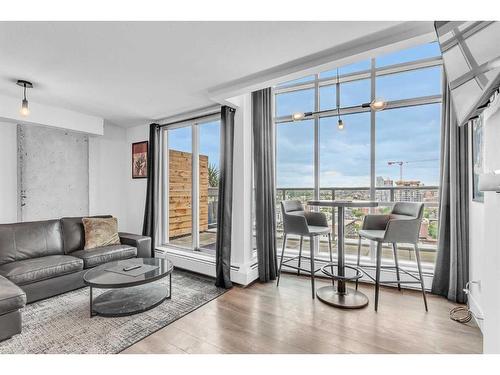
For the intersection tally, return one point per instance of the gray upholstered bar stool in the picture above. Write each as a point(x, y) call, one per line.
point(402, 225)
point(303, 223)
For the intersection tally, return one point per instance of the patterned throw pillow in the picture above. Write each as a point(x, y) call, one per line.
point(100, 232)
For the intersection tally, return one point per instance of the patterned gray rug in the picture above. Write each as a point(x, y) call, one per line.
point(62, 324)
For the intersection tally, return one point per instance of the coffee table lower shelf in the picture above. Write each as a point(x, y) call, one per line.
point(129, 301)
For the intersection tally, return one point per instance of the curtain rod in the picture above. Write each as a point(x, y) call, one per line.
point(190, 118)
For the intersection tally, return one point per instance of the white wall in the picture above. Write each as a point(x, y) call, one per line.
point(476, 246)
point(135, 188)
point(108, 174)
point(491, 252)
point(8, 177)
point(485, 239)
point(41, 114)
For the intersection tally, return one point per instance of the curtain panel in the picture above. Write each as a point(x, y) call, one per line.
point(452, 265)
point(151, 211)
point(264, 166)
point(225, 203)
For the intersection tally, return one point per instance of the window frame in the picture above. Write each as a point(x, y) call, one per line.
point(195, 192)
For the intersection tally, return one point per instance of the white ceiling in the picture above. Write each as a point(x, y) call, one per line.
point(130, 73)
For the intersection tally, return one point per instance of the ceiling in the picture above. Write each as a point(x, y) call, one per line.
point(130, 73)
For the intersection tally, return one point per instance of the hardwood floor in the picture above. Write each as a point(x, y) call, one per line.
point(265, 319)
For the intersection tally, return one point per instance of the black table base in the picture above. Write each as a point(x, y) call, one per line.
point(350, 299)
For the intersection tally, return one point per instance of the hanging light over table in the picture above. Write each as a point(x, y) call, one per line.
point(340, 123)
point(24, 110)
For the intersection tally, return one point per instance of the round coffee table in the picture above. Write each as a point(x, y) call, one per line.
point(131, 291)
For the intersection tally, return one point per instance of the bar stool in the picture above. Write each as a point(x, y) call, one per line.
point(402, 225)
point(303, 223)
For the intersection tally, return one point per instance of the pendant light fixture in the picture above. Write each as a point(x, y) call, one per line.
point(24, 110)
point(377, 104)
point(340, 123)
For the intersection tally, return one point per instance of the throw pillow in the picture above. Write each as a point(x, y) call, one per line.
point(100, 232)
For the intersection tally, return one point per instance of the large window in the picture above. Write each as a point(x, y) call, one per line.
point(191, 173)
point(390, 155)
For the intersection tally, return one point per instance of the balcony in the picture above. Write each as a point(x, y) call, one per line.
point(386, 196)
point(208, 215)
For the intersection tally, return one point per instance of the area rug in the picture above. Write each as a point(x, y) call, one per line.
point(62, 324)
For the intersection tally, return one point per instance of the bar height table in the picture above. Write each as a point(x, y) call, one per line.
point(341, 296)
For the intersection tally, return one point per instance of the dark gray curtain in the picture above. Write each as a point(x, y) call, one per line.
point(225, 204)
point(150, 223)
point(452, 264)
point(263, 156)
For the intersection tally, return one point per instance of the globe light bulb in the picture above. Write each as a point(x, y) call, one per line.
point(25, 111)
point(378, 104)
point(298, 116)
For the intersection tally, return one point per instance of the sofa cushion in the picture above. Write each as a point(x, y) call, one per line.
point(12, 297)
point(100, 255)
point(27, 240)
point(100, 232)
point(32, 270)
point(73, 233)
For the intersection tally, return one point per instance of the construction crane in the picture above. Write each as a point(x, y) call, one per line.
point(402, 162)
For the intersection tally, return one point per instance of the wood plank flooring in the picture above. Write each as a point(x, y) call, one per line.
point(265, 319)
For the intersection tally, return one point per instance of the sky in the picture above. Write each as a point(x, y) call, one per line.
point(408, 134)
point(180, 139)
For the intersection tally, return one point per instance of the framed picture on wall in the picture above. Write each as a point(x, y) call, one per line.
point(140, 159)
point(477, 158)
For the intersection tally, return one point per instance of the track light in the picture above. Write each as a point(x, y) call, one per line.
point(24, 110)
point(298, 116)
point(378, 104)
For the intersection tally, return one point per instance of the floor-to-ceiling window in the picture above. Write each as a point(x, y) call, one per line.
point(190, 184)
point(389, 155)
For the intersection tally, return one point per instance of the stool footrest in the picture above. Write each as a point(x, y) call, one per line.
point(330, 274)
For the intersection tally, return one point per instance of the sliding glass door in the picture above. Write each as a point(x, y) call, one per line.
point(191, 154)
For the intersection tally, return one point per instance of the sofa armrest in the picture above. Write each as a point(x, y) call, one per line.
point(142, 243)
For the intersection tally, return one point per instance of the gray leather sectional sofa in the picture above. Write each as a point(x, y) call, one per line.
point(44, 258)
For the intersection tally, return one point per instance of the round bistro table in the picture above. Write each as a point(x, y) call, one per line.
point(341, 296)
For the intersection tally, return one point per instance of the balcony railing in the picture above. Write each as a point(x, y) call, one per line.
point(213, 198)
point(386, 196)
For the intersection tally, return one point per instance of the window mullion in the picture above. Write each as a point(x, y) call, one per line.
point(165, 208)
point(195, 195)
point(316, 150)
point(373, 93)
